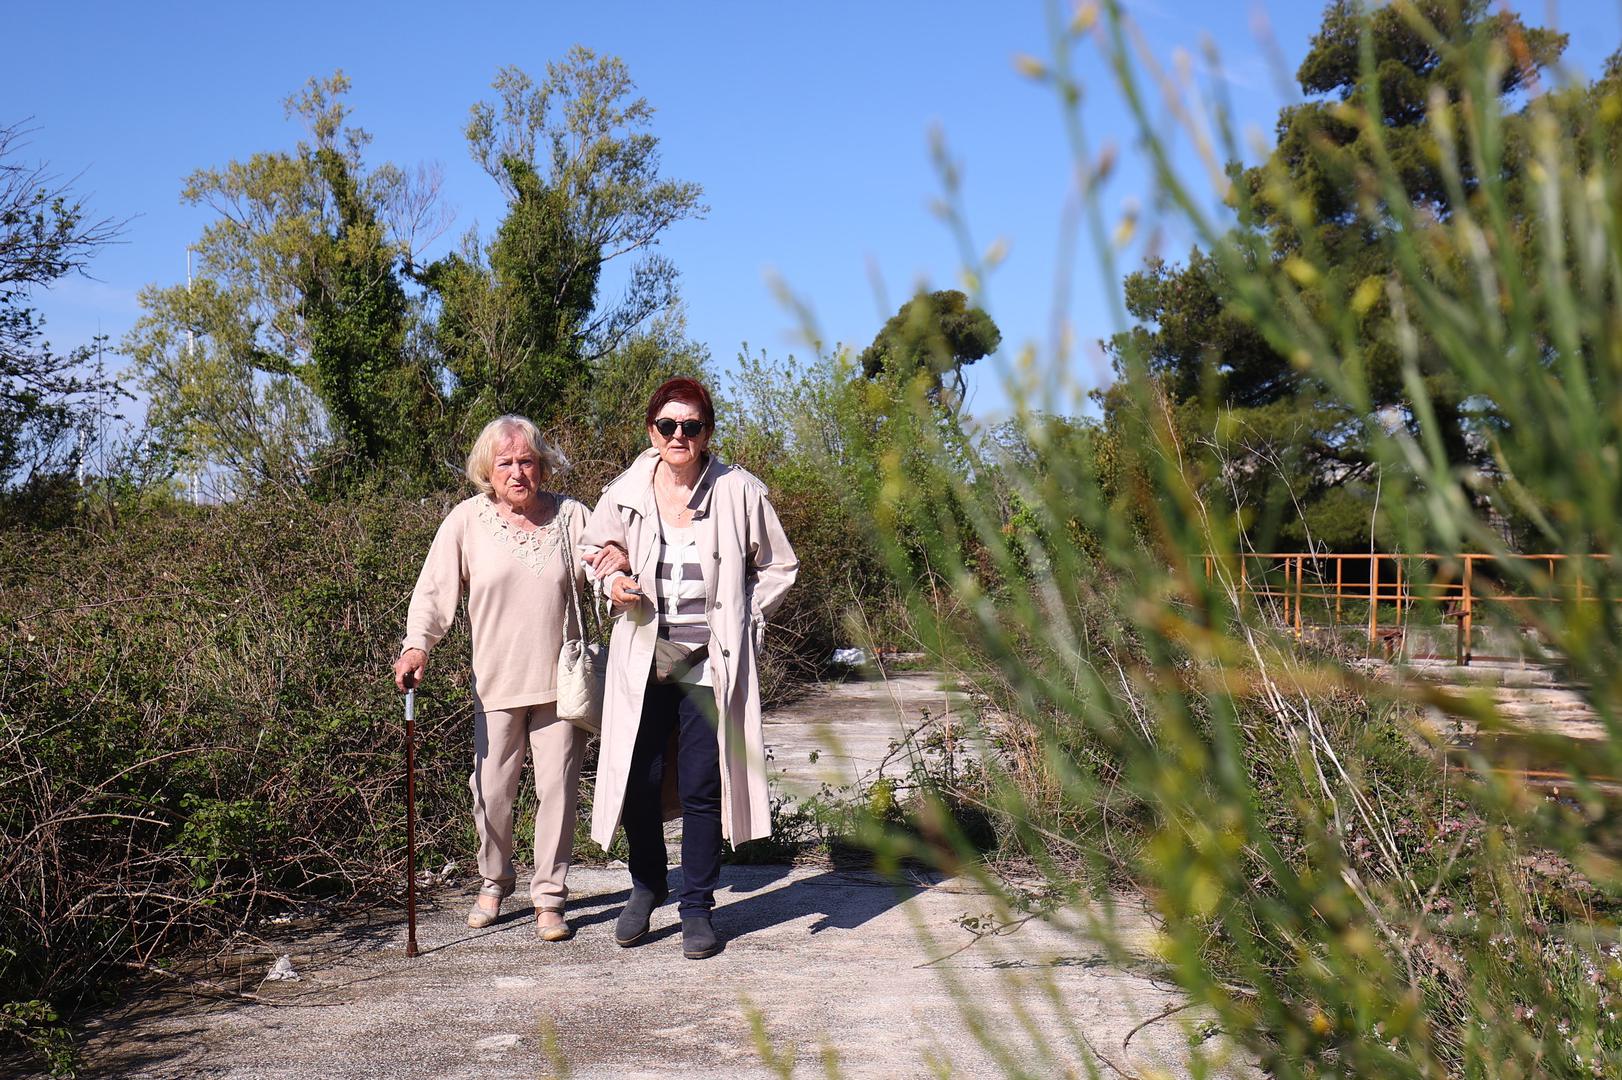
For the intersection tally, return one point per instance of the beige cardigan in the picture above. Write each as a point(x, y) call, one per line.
point(517, 586)
point(748, 566)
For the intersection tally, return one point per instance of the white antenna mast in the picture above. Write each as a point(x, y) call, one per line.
point(191, 352)
point(191, 338)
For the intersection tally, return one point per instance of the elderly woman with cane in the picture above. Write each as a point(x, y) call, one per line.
point(706, 563)
point(510, 550)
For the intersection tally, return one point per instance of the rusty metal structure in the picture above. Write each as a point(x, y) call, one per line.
point(1459, 587)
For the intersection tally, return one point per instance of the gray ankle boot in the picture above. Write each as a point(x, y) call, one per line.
point(698, 940)
point(632, 925)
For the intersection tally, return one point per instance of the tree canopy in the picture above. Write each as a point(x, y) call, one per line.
point(46, 234)
point(1315, 194)
point(314, 342)
point(936, 334)
point(521, 318)
point(287, 350)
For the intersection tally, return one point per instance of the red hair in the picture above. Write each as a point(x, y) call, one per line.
point(683, 389)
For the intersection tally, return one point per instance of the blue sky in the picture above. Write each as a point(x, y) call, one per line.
point(807, 125)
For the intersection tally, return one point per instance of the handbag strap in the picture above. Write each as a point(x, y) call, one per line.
point(573, 558)
point(574, 591)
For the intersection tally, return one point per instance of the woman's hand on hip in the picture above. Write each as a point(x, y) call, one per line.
point(409, 668)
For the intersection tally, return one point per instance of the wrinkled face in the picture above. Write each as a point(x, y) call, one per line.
point(679, 449)
point(516, 474)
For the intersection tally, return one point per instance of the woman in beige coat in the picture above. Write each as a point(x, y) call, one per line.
point(707, 564)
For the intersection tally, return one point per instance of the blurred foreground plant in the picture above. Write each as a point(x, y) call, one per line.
point(1340, 899)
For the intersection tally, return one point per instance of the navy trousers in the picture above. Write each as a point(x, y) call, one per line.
point(689, 711)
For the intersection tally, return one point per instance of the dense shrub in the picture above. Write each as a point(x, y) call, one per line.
point(198, 726)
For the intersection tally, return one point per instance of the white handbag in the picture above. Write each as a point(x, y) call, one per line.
point(582, 662)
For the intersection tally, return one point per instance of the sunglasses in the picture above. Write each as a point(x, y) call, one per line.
point(666, 427)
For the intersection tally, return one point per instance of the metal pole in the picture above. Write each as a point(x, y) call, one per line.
point(411, 822)
point(191, 316)
point(1284, 592)
point(1300, 580)
point(191, 351)
point(1402, 611)
point(1340, 566)
point(1467, 621)
point(1374, 600)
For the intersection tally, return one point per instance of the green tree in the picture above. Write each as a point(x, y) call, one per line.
point(287, 352)
point(604, 413)
point(355, 312)
point(46, 234)
point(521, 320)
point(1284, 445)
point(936, 334)
point(1289, 448)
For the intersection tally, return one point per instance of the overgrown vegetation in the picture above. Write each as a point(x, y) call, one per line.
point(1342, 901)
point(193, 740)
point(198, 728)
point(1396, 329)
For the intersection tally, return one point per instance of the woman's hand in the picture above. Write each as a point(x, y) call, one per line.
point(607, 559)
point(409, 668)
point(625, 591)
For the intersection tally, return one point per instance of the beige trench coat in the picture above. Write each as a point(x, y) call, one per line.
point(748, 566)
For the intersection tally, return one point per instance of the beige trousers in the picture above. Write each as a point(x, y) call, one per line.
point(556, 747)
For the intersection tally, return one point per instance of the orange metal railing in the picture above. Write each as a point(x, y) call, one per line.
point(1458, 585)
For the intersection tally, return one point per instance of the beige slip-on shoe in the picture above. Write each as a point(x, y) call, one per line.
point(480, 917)
point(550, 925)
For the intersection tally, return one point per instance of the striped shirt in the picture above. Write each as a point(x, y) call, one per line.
point(681, 595)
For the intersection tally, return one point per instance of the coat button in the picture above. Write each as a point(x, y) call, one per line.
point(716, 606)
point(726, 652)
point(717, 556)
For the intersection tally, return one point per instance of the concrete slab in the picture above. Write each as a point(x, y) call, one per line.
point(878, 977)
point(836, 962)
point(857, 730)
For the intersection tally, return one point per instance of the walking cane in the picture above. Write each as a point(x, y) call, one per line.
point(411, 822)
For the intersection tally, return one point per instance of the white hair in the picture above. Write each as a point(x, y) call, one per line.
point(482, 458)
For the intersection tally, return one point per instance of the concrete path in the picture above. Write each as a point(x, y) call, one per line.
point(1539, 697)
point(876, 978)
point(1551, 722)
point(859, 730)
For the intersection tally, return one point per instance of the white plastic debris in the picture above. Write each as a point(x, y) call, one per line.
point(281, 970)
point(445, 876)
point(850, 656)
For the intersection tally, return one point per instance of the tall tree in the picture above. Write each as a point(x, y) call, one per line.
point(1313, 194)
point(1325, 156)
point(46, 234)
point(521, 317)
point(287, 351)
point(934, 334)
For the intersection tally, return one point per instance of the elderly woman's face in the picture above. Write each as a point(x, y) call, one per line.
point(678, 448)
point(516, 474)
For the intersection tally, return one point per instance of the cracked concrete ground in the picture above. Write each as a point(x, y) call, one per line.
point(877, 978)
point(836, 963)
